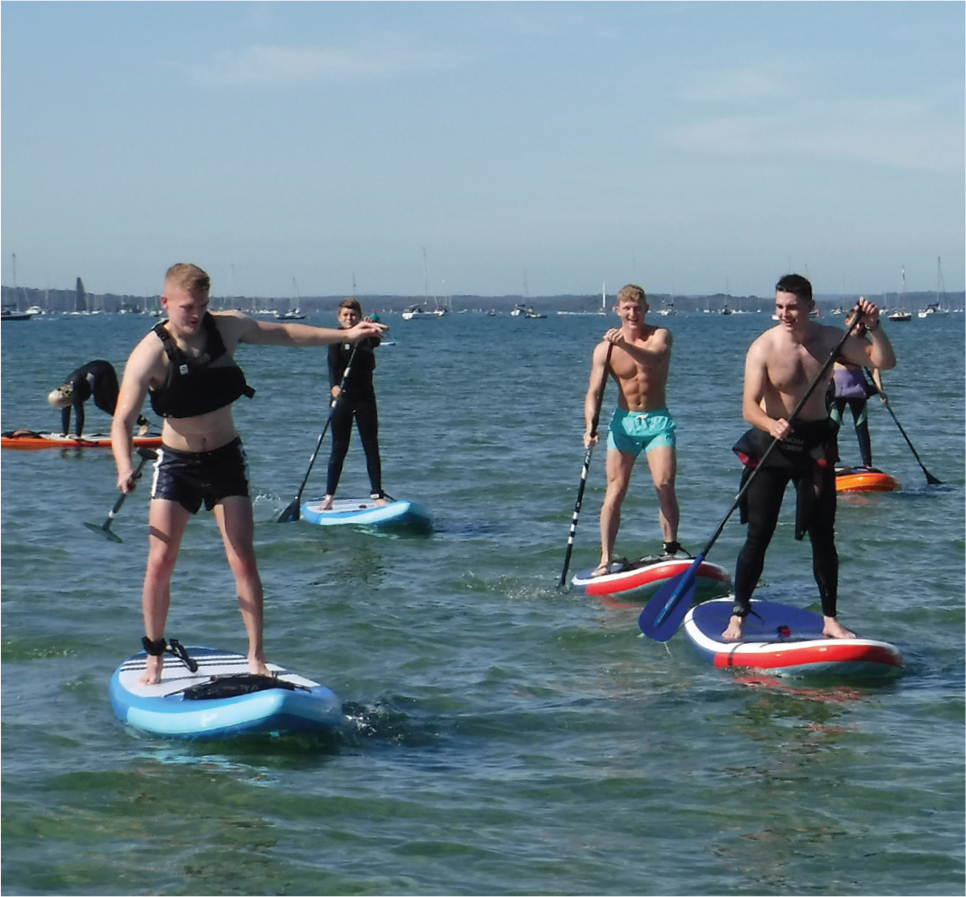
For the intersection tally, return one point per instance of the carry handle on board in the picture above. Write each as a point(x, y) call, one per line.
point(663, 614)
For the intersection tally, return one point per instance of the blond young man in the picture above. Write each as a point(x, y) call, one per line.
point(640, 355)
point(186, 364)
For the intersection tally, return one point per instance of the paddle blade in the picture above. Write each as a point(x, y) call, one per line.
point(931, 480)
point(664, 613)
point(104, 530)
point(292, 513)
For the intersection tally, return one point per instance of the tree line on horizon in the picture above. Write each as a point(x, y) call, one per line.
point(79, 300)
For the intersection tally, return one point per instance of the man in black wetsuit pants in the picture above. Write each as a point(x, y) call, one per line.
point(97, 380)
point(779, 368)
point(357, 400)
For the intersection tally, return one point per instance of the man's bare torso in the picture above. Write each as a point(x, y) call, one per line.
point(640, 366)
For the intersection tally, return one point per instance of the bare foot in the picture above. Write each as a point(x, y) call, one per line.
point(601, 569)
point(152, 675)
point(735, 630)
point(833, 629)
point(381, 501)
point(258, 667)
point(326, 503)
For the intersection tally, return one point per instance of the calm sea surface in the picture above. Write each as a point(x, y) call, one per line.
point(502, 737)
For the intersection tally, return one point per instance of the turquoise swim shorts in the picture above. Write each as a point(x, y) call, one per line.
point(632, 431)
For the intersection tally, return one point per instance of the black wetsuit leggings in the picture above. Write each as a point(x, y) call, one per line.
point(764, 499)
point(367, 419)
point(859, 408)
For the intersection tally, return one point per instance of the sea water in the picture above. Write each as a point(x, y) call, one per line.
point(502, 736)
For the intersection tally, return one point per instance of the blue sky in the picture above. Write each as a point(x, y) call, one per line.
point(691, 147)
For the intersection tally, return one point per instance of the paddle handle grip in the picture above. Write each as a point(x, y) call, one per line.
point(146, 455)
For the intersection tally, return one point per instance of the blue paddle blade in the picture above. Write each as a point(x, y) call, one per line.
point(664, 613)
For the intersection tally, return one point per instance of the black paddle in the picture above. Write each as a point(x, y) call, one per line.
point(294, 510)
point(930, 479)
point(663, 614)
point(585, 469)
point(105, 528)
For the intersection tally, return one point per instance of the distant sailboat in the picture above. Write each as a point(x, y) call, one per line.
point(939, 306)
point(294, 314)
point(902, 314)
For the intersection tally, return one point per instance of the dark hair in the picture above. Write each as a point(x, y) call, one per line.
point(796, 284)
point(353, 304)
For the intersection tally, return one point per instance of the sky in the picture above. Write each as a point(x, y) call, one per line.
point(496, 148)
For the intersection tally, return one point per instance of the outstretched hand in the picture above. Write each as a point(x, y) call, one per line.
point(364, 329)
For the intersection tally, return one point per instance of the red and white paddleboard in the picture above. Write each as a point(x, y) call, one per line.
point(786, 641)
point(28, 439)
point(639, 580)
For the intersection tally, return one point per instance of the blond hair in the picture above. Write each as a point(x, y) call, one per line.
point(191, 277)
point(632, 293)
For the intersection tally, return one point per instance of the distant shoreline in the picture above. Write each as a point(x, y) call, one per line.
point(74, 301)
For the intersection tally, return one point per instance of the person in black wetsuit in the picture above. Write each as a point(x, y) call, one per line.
point(187, 365)
point(97, 380)
point(357, 400)
point(779, 368)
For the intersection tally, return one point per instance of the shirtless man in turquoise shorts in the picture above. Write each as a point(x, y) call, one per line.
point(640, 355)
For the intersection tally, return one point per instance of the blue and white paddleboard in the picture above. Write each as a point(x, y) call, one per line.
point(785, 641)
point(365, 512)
point(218, 700)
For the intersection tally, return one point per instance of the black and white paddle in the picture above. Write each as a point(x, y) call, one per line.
point(104, 528)
point(585, 469)
point(930, 479)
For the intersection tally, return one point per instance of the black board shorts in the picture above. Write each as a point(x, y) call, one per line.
point(191, 478)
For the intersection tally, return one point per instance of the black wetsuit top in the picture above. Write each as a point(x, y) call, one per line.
point(363, 364)
point(200, 385)
point(97, 380)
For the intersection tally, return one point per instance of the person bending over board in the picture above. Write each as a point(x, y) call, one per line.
point(780, 368)
point(640, 355)
point(186, 364)
point(358, 400)
point(97, 380)
point(851, 388)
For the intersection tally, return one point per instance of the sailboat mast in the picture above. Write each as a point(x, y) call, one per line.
point(425, 278)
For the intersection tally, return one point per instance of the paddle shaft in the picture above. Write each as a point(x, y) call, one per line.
point(586, 468)
point(685, 584)
point(929, 477)
point(146, 455)
point(293, 511)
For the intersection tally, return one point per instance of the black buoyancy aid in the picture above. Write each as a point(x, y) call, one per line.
point(196, 386)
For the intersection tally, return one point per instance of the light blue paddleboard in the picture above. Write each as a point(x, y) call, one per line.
point(203, 704)
point(365, 512)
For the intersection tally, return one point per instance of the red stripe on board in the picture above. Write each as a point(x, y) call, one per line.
point(839, 651)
